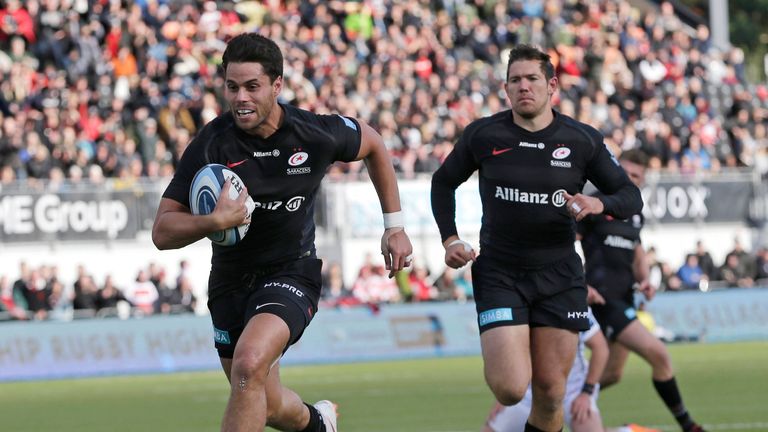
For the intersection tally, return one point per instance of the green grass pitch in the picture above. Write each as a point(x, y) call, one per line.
point(724, 385)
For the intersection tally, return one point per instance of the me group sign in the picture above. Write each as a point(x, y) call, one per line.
point(86, 215)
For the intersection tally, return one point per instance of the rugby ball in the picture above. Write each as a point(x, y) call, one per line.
point(204, 193)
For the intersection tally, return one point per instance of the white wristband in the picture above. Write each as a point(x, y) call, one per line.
point(467, 246)
point(393, 220)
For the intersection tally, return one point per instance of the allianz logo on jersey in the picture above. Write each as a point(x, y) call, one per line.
point(619, 242)
point(273, 153)
point(557, 198)
point(539, 146)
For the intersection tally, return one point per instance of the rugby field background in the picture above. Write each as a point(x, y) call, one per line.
point(724, 385)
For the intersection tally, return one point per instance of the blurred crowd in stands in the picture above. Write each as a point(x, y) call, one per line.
point(698, 272)
point(38, 293)
point(113, 90)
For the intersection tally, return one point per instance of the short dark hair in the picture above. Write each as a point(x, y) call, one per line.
point(253, 47)
point(530, 52)
point(635, 156)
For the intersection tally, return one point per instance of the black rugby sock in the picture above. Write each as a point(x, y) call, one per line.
point(670, 394)
point(531, 428)
point(315, 420)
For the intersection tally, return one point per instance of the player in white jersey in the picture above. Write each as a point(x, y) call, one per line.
point(580, 403)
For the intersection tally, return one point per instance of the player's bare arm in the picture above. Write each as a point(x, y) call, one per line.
point(175, 226)
point(395, 244)
point(642, 271)
point(582, 405)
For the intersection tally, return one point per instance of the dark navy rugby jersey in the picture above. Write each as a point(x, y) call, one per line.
point(282, 173)
point(609, 252)
point(522, 179)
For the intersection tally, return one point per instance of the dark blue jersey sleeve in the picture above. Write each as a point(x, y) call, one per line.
point(347, 134)
point(457, 168)
point(620, 196)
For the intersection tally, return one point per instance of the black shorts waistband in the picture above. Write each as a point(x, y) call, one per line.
point(249, 276)
point(554, 258)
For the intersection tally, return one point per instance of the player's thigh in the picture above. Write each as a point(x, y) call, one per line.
point(552, 353)
point(261, 344)
point(617, 359)
point(506, 356)
point(638, 339)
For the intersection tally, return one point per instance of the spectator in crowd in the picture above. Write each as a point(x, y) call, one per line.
point(85, 300)
point(373, 286)
point(421, 287)
point(167, 295)
point(185, 300)
point(109, 296)
point(463, 281)
point(690, 273)
point(37, 293)
point(761, 265)
point(705, 260)
point(733, 274)
point(8, 300)
point(59, 300)
point(334, 288)
point(660, 273)
point(142, 293)
point(746, 263)
point(445, 285)
point(184, 271)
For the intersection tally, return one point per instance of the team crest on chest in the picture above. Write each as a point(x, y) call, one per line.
point(295, 161)
point(560, 153)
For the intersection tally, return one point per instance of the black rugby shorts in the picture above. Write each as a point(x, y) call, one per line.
point(290, 292)
point(614, 316)
point(550, 296)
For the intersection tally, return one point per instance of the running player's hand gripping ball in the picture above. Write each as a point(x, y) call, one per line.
point(204, 194)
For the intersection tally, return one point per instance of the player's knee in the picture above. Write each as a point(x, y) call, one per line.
point(610, 378)
point(548, 395)
point(507, 388)
point(658, 358)
point(661, 362)
point(248, 370)
point(508, 398)
point(509, 395)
